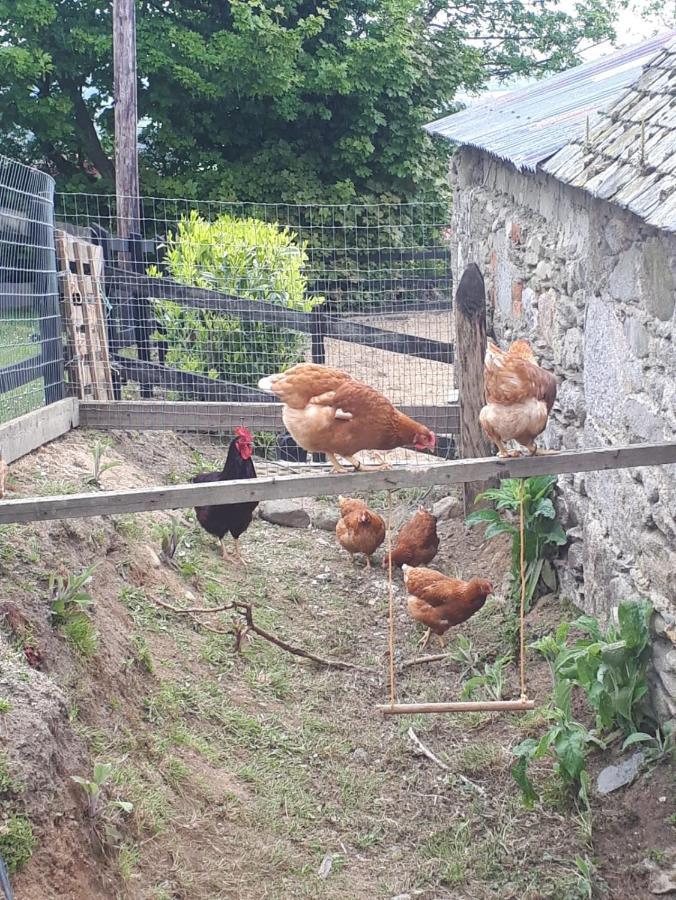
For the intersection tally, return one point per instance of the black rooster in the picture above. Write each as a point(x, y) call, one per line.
point(230, 517)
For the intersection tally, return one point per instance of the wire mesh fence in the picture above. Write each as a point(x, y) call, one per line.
point(31, 360)
point(208, 297)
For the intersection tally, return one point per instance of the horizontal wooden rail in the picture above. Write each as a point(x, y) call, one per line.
point(32, 430)
point(166, 415)
point(125, 282)
point(407, 709)
point(214, 389)
point(183, 496)
point(18, 374)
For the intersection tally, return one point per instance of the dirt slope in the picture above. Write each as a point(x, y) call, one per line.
point(250, 772)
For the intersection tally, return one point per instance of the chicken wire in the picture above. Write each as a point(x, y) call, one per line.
point(31, 361)
point(207, 297)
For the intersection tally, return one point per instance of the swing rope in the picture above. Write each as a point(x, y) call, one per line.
point(522, 608)
point(498, 705)
point(390, 599)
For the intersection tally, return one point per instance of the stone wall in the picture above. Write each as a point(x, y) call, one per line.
point(594, 290)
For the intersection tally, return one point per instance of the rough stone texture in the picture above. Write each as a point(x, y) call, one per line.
point(614, 777)
point(325, 519)
point(597, 299)
point(448, 508)
point(284, 512)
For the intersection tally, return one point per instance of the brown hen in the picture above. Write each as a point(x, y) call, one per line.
point(519, 397)
point(359, 529)
point(327, 411)
point(440, 602)
point(417, 542)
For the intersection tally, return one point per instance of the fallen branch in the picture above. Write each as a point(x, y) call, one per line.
point(421, 660)
point(247, 611)
point(421, 748)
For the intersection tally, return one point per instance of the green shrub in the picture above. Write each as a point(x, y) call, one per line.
point(541, 528)
point(245, 258)
point(17, 842)
point(611, 667)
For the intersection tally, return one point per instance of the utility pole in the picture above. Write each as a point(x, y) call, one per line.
point(126, 117)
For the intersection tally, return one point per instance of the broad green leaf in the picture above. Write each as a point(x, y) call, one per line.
point(638, 737)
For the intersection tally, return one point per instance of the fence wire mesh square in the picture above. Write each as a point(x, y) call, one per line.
point(204, 298)
point(31, 360)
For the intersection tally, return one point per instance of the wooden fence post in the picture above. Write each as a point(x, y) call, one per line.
point(470, 350)
point(141, 308)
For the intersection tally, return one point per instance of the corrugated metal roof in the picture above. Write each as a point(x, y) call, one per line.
point(629, 156)
point(529, 125)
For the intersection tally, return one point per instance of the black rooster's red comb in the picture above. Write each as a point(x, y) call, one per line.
point(242, 432)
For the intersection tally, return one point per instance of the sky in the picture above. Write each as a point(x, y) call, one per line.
point(633, 26)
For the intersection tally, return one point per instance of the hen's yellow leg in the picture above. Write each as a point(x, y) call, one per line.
point(336, 465)
point(424, 641)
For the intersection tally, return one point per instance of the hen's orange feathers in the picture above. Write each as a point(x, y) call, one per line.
point(441, 602)
point(359, 529)
point(519, 396)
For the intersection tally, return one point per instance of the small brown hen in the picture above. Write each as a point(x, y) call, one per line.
point(519, 397)
point(328, 411)
point(417, 542)
point(359, 529)
point(440, 602)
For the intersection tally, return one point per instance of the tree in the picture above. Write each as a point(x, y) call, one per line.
point(275, 100)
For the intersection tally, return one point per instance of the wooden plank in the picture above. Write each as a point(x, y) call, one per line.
point(407, 709)
point(342, 329)
point(158, 415)
point(470, 342)
point(183, 496)
point(94, 255)
point(337, 327)
point(27, 433)
point(126, 114)
point(18, 374)
point(125, 282)
point(150, 373)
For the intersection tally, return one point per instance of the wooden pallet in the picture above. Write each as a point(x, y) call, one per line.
point(81, 287)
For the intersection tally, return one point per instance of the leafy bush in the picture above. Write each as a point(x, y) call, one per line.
point(246, 258)
point(17, 842)
point(566, 740)
point(69, 602)
point(541, 529)
point(611, 667)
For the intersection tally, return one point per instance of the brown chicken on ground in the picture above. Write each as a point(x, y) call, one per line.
point(327, 411)
point(519, 397)
point(359, 529)
point(417, 542)
point(440, 602)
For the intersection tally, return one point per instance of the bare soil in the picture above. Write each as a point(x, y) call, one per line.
point(256, 774)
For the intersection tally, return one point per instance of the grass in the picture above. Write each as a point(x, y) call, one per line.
point(17, 842)
point(80, 635)
point(16, 345)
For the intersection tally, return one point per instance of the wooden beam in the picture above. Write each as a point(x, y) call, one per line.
point(470, 343)
point(165, 415)
point(18, 374)
point(28, 432)
point(126, 117)
point(407, 709)
point(183, 496)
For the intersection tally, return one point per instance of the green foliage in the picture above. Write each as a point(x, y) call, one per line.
point(491, 681)
point(566, 740)
point(270, 100)
point(93, 790)
point(69, 602)
point(98, 465)
point(611, 670)
point(541, 529)
point(611, 667)
point(242, 257)
point(657, 747)
point(5, 705)
point(171, 536)
point(466, 656)
point(17, 842)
